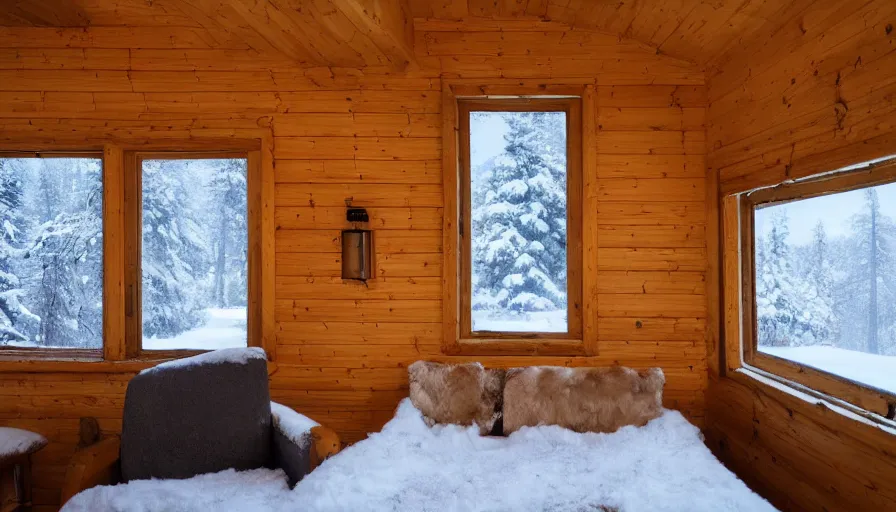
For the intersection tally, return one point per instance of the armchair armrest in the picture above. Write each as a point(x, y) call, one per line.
point(300, 443)
point(94, 465)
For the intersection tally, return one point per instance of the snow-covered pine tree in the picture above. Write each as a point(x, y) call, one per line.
point(786, 313)
point(12, 221)
point(228, 199)
point(824, 323)
point(871, 276)
point(175, 256)
point(63, 260)
point(519, 219)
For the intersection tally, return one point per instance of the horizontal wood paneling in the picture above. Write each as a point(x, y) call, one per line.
point(333, 217)
point(650, 166)
point(387, 265)
point(354, 171)
point(374, 137)
point(813, 92)
point(393, 241)
point(822, 88)
point(374, 195)
point(800, 455)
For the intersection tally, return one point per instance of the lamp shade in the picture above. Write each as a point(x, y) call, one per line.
point(357, 248)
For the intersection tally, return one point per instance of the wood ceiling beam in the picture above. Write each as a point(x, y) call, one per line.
point(387, 23)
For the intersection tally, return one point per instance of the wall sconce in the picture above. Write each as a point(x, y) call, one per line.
point(357, 248)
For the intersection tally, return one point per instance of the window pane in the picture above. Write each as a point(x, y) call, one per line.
point(194, 254)
point(826, 283)
point(51, 252)
point(518, 218)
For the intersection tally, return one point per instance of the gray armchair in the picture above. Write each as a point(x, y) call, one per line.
point(202, 415)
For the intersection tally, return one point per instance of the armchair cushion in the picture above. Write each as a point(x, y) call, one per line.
point(198, 415)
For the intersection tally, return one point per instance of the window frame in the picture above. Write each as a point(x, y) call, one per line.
point(863, 396)
point(459, 98)
point(116, 355)
point(63, 352)
point(133, 241)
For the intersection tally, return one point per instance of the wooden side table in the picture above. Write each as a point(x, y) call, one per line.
point(16, 448)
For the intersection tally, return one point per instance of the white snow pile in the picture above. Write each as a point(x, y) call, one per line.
point(240, 355)
point(409, 466)
point(15, 441)
point(296, 427)
point(663, 466)
point(230, 490)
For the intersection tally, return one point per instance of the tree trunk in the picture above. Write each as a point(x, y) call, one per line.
point(221, 263)
point(872, 303)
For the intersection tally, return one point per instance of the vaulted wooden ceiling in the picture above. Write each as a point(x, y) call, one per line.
point(696, 30)
point(344, 33)
point(359, 33)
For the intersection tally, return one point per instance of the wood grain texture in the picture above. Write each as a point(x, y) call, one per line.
point(813, 96)
point(810, 92)
point(374, 136)
point(800, 455)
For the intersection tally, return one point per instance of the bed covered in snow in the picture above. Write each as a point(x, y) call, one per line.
point(410, 466)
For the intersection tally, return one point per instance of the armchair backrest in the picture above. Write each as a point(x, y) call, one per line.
point(197, 415)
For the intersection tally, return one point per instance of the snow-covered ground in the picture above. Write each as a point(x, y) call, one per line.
point(223, 328)
point(663, 466)
point(873, 370)
point(546, 321)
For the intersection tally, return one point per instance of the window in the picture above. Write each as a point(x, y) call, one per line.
point(138, 252)
point(821, 284)
point(520, 222)
point(193, 252)
point(51, 252)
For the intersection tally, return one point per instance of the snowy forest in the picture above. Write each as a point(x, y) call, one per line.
point(194, 260)
point(825, 299)
point(518, 220)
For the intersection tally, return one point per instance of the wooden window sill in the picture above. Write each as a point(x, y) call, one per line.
point(59, 365)
point(517, 347)
point(758, 378)
point(66, 365)
point(859, 395)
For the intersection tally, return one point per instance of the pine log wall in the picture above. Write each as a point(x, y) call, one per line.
point(814, 95)
point(375, 136)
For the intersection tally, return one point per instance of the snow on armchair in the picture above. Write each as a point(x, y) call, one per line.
point(200, 415)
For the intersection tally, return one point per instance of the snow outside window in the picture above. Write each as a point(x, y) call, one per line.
point(194, 259)
point(518, 219)
point(51, 252)
point(826, 283)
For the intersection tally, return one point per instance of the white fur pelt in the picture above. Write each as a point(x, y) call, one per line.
point(461, 394)
point(582, 399)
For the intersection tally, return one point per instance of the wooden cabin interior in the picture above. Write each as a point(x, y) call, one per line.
point(681, 108)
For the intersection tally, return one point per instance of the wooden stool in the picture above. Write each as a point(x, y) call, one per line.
point(16, 447)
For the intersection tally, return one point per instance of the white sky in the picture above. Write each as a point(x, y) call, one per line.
point(835, 211)
point(486, 136)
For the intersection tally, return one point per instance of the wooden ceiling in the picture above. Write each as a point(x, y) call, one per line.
point(699, 31)
point(342, 33)
point(359, 33)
